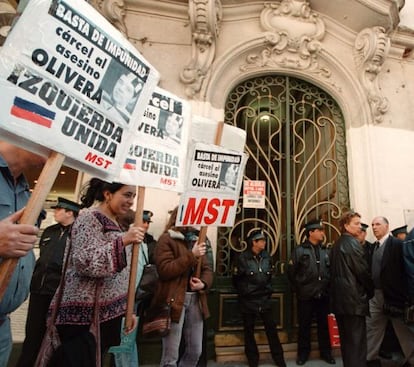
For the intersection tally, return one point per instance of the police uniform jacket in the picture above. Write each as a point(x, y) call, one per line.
point(252, 276)
point(408, 255)
point(309, 275)
point(48, 268)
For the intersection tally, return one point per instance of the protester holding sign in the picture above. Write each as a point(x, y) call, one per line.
point(97, 266)
point(176, 257)
point(16, 240)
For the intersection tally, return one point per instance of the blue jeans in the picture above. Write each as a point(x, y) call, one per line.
point(190, 327)
point(6, 343)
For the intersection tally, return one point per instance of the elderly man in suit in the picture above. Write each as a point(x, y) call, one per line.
point(391, 296)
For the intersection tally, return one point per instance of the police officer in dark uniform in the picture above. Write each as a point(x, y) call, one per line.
point(366, 245)
point(46, 277)
point(252, 276)
point(149, 238)
point(309, 274)
point(400, 232)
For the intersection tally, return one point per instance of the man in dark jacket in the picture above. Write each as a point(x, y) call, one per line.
point(390, 281)
point(46, 278)
point(390, 341)
point(351, 288)
point(252, 276)
point(408, 253)
point(309, 274)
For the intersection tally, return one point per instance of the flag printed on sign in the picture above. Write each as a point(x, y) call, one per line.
point(32, 112)
point(130, 163)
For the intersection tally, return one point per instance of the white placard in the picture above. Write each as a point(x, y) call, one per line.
point(213, 186)
point(204, 130)
point(254, 194)
point(70, 82)
point(157, 156)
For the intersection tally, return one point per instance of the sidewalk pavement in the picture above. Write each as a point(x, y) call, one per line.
point(289, 363)
point(313, 362)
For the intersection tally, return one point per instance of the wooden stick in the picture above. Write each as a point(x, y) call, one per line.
point(32, 210)
point(134, 261)
point(203, 230)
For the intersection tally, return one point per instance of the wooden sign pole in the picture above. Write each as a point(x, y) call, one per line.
point(134, 261)
point(203, 230)
point(32, 210)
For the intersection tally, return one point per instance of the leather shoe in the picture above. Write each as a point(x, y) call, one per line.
point(301, 361)
point(329, 359)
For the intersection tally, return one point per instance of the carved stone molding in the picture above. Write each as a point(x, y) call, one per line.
point(114, 12)
point(371, 49)
point(291, 40)
point(205, 18)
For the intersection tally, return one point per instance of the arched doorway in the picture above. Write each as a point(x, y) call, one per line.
point(296, 144)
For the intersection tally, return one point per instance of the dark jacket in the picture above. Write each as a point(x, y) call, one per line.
point(309, 278)
point(175, 264)
point(48, 268)
point(252, 277)
point(368, 251)
point(408, 254)
point(351, 283)
point(392, 274)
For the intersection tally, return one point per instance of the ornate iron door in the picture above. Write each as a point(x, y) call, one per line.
point(296, 144)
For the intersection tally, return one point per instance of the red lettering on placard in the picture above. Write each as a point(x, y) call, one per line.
point(97, 160)
point(207, 211)
point(168, 181)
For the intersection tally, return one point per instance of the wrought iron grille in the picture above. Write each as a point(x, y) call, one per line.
point(296, 144)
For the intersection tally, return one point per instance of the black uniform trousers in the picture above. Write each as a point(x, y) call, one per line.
point(250, 345)
point(35, 328)
point(307, 310)
point(353, 334)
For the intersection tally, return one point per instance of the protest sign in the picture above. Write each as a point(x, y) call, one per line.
point(213, 186)
point(205, 130)
point(73, 88)
point(70, 82)
point(157, 156)
point(254, 194)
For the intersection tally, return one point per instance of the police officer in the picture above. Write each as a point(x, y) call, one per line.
point(252, 279)
point(400, 232)
point(46, 277)
point(308, 272)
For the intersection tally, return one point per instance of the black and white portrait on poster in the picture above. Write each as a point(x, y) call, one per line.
point(171, 123)
point(120, 91)
point(228, 175)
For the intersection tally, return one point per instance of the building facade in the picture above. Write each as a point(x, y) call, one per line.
point(324, 90)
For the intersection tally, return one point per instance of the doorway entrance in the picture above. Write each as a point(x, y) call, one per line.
point(296, 145)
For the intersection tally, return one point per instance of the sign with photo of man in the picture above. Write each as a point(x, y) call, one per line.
point(212, 194)
point(157, 156)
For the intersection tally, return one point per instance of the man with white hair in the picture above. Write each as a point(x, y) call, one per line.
point(390, 298)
